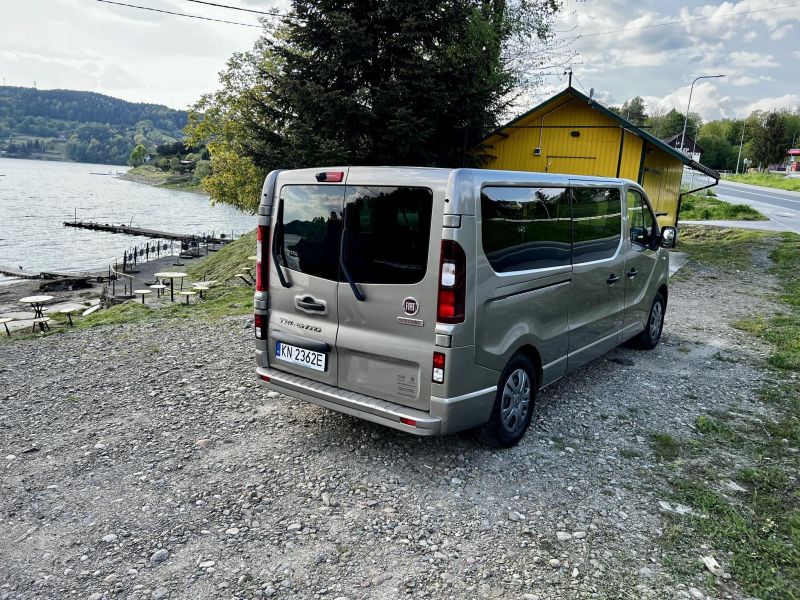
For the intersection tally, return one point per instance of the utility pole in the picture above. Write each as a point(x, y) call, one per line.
point(741, 142)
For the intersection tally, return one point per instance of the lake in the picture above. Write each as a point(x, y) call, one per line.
point(36, 197)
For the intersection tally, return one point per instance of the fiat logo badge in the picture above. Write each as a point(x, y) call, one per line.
point(410, 306)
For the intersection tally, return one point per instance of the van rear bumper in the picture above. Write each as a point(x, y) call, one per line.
point(447, 415)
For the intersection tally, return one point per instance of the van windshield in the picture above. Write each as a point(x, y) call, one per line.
point(387, 232)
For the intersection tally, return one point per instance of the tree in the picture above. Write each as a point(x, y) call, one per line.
point(769, 145)
point(634, 110)
point(365, 83)
point(137, 156)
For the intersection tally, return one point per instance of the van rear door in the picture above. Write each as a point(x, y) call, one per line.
point(387, 294)
point(304, 275)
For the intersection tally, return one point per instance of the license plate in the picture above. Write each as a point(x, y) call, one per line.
point(300, 356)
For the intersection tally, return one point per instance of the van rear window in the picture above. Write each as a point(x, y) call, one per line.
point(387, 233)
point(310, 221)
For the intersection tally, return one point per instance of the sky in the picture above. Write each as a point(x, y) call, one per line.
point(153, 57)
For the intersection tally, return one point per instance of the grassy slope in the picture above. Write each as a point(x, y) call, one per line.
point(767, 180)
point(699, 207)
point(224, 264)
point(153, 176)
point(757, 531)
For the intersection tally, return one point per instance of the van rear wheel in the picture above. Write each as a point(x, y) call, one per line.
point(649, 338)
point(513, 404)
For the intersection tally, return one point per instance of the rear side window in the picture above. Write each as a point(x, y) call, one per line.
point(387, 233)
point(310, 222)
point(525, 227)
point(640, 219)
point(596, 223)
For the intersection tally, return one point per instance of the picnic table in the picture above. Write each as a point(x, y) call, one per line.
point(171, 275)
point(37, 303)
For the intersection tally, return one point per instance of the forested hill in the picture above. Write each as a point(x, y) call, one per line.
point(81, 126)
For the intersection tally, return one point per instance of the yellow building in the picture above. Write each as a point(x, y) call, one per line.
point(571, 133)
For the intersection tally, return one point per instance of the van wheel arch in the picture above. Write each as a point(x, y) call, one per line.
point(533, 355)
point(663, 291)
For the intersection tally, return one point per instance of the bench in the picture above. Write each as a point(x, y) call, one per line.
point(5, 321)
point(142, 293)
point(188, 294)
point(90, 310)
point(42, 322)
point(200, 288)
point(68, 312)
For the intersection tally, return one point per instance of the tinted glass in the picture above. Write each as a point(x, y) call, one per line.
point(640, 219)
point(310, 221)
point(525, 228)
point(596, 223)
point(387, 233)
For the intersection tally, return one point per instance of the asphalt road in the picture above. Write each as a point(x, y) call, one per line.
point(781, 206)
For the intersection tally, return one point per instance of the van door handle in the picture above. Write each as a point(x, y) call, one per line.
point(632, 273)
point(308, 304)
point(612, 279)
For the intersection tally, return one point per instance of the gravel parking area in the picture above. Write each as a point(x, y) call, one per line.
point(143, 461)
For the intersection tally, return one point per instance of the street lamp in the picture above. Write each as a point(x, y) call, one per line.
point(691, 89)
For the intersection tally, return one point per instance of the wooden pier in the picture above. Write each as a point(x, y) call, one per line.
point(20, 273)
point(23, 274)
point(143, 231)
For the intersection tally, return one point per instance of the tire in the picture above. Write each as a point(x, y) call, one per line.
point(648, 339)
point(513, 403)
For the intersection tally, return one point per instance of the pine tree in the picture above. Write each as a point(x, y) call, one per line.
point(769, 147)
point(366, 82)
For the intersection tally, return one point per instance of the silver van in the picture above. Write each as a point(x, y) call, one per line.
point(437, 300)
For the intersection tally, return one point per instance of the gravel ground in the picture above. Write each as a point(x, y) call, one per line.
point(143, 461)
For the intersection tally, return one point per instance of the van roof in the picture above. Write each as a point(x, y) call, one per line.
point(481, 175)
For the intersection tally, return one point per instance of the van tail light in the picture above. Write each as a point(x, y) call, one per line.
point(438, 368)
point(262, 258)
point(452, 283)
point(260, 325)
point(407, 421)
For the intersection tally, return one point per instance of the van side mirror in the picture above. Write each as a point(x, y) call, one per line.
point(669, 235)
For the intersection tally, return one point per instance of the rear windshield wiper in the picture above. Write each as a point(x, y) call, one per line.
point(343, 261)
point(276, 238)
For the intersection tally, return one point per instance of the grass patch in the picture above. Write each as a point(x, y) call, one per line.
point(665, 446)
point(755, 533)
point(700, 207)
point(728, 249)
point(772, 180)
point(225, 263)
point(760, 535)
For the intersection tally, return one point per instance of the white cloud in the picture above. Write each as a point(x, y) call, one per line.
point(753, 60)
point(790, 101)
point(750, 36)
point(780, 32)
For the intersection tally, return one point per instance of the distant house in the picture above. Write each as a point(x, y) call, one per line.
point(62, 137)
point(793, 160)
point(690, 146)
point(574, 134)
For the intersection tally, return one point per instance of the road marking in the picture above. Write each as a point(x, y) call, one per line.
point(734, 190)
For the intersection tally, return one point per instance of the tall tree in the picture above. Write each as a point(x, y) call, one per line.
point(366, 82)
point(769, 144)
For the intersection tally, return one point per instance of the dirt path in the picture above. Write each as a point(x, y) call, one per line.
point(143, 461)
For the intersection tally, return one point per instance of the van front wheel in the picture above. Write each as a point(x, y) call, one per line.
point(513, 404)
point(649, 338)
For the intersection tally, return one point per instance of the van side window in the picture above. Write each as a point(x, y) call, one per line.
point(525, 227)
point(387, 233)
point(310, 226)
point(640, 219)
point(596, 223)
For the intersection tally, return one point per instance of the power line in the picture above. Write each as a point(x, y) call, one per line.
point(733, 14)
point(177, 14)
point(268, 13)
